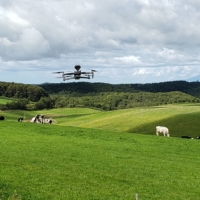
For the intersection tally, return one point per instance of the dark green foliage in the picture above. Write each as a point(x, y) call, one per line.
point(120, 96)
point(17, 90)
point(101, 95)
point(44, 102)
point(85, 87)
point(17, 104)
point(121, 100)
point(24, 94)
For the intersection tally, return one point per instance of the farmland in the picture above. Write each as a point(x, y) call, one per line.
point(181, 119)
point(92, 154)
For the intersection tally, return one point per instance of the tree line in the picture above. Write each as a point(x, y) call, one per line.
point(192, 88)
point(121, 100)
point(25, 96)
point(98, 95)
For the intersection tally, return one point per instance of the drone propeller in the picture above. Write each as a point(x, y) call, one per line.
point(58, 72)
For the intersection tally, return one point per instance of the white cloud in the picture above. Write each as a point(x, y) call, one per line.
point(126, 41)
point(129, 59)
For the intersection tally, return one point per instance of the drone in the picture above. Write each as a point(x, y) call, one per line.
point(76, 74)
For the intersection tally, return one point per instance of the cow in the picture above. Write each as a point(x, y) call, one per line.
point(41, 120)
point(198, 137)
point(187, 137)
point(37, 119)
point(20, 119)
point(2, 118)
point(47, 121)
point(163, 130)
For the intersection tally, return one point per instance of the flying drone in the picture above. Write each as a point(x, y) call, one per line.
point(76, 74)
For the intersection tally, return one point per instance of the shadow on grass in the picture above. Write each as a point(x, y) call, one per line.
point(184, 124)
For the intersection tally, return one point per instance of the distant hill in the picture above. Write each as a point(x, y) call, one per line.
point(102, 96)
point(195, 78)
point(192, 88)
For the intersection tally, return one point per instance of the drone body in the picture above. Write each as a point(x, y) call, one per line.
point(76, 74)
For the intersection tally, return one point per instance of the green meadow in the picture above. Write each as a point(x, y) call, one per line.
point(3, 101)
point(92, 154)
point(181, 119)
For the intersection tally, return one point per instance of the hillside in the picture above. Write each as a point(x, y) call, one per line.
point(58, 162)
point(192, 88)
point(101, 96)
point(181, 119)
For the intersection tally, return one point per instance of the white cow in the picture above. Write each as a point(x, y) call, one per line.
point(163, 130)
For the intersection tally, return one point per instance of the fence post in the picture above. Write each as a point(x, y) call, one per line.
point(136, 196)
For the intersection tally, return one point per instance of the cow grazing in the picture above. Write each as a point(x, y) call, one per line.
point(163, 130)
point(187, 137)
point(41, 120)
point(2, 118)
point(20, 119)
point(47, 121)
point(37, 119)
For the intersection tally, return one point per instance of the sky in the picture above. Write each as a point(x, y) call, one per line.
point(125, 41)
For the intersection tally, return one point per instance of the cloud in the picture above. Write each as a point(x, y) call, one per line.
point(126, 41)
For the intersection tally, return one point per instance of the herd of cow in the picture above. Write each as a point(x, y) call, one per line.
point(37, 119)
point(41, 120)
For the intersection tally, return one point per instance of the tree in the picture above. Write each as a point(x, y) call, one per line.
point(44, 102)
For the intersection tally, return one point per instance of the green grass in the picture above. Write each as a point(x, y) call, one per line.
point(180, 119)
point(61, 162)
point(4, 100)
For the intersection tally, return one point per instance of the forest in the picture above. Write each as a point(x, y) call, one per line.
point(102, 96)
point(192, 88)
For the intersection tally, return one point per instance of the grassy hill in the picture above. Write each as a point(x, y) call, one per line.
point(93, 154)
point(181, 119)
point(63, 162)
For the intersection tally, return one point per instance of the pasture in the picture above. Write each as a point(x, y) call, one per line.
point(59, 162)
point(90, 154)
point(4, 101)
point(180, 119)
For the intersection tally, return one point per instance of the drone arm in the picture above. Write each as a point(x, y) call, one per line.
point(70, 73)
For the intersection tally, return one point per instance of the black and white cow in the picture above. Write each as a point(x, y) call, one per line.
point(47, 121)
point(187, 137)
point(198, 137)
point(41, 120)
point(20, 119)
point(2, 118)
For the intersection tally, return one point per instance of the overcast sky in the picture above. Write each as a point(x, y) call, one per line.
point(126, 41)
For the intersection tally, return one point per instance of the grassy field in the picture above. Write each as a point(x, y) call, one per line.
point(4, 100)
point(90, 154)
point(61, 162)
point(180, 119)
